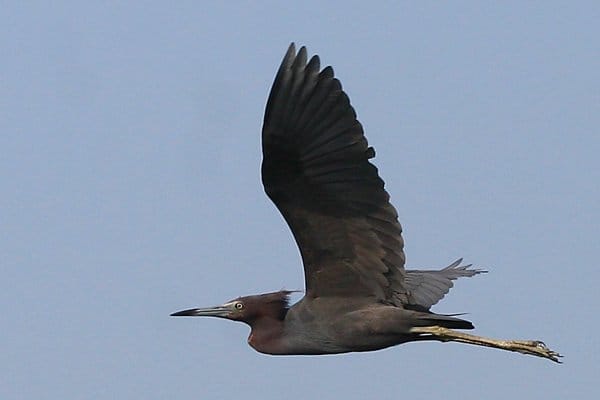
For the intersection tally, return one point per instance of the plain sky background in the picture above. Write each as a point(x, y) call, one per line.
point(130, 188)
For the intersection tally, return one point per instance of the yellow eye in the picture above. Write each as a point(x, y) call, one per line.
point(239, 306)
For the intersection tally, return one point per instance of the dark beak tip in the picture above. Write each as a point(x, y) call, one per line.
point(184, 313)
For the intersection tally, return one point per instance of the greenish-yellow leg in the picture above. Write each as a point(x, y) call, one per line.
point(531, 347)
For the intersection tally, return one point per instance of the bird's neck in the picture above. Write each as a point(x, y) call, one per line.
point(267, 336)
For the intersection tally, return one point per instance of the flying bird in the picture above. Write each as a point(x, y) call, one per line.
point(358, 295)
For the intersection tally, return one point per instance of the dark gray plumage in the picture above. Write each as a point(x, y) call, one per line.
point(316, 170)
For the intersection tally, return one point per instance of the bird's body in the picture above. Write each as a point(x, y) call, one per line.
point(359, 296)
point(330, 325)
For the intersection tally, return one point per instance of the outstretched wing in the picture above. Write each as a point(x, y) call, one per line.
point(316, 170)
point(425, 288)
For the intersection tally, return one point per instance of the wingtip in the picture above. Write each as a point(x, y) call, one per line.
point(291, 51)
point(456, 265)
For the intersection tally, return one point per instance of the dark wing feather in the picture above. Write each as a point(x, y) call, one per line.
point(426, 288)
point(316, 170)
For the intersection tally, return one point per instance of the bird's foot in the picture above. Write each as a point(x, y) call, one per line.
point(534, 348)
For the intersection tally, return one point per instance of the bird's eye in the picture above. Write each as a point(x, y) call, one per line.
point(239, 306)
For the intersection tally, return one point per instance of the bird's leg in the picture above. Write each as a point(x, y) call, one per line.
point(531, 347)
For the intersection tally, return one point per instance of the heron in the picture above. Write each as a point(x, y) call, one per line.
point(358, 295)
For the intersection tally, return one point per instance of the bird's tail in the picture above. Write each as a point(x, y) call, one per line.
point(447, 321)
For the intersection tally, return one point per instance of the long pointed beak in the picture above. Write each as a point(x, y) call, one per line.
point(218, 311)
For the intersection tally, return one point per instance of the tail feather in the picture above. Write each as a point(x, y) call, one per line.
point(446, 321)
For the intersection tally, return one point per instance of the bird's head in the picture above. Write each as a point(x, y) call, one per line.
point(245, 309)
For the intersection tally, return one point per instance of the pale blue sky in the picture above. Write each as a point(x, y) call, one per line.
point(129, 189)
